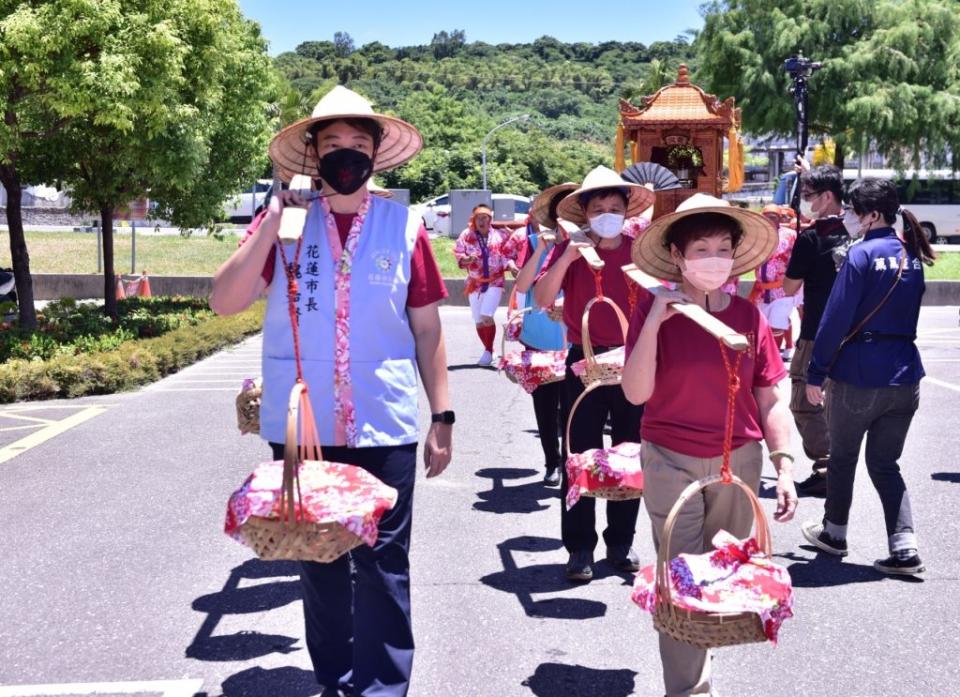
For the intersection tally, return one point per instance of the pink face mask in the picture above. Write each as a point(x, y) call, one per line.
point(707, 274)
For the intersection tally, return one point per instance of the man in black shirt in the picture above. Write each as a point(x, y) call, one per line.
point(812, 266)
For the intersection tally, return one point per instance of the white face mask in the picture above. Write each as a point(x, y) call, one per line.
point(607, 225)
point(853, 224)
point(707, 274)
point(806, 209)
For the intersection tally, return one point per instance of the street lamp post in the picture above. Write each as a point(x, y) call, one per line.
point(483, 155)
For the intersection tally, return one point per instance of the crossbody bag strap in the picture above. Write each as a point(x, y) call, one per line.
point(870, 315)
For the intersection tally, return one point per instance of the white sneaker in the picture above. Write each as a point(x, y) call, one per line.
point(485, 359)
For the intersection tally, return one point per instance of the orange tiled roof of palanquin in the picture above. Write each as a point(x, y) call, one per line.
point(681, 102)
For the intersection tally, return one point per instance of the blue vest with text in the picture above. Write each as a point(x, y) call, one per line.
point(382, 348)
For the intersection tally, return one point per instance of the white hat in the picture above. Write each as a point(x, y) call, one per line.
point(293, 154)
point(639, 198)
point(651, 254)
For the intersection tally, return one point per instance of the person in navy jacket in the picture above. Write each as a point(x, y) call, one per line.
point(865, 345)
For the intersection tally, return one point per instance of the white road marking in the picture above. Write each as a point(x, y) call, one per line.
point(942, 383)
point(166, 688)
point(9, 452)
point(4, 429)
point(230, 380)
point(193, 389)
point(21, 417)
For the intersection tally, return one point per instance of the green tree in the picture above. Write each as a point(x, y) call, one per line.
point(890, 72)
point(48, 54)
point(183, 117)
point(343, 44)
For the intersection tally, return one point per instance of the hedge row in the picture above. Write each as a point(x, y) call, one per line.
point(134, 363)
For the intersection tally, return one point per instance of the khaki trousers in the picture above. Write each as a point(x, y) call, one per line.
point(686, 669)
point(811, 419)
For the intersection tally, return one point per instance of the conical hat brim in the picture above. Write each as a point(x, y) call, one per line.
point(758, 242)
point(292, 154)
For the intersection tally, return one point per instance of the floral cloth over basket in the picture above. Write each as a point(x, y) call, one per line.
point(331, 493)
point(530, 369)
point(615, 357)
point(604, 468)
point(733, 578)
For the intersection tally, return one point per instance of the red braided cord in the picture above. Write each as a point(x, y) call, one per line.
point(598, 281)
point(292, 290)
point(632, 299)
point(733, 386)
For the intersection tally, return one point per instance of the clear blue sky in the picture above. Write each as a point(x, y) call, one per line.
point(408, 23)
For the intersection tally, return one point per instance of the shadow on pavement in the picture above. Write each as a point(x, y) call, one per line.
point(469, 366)
point(259, 682)
point(825, 570)
point(952, 477)
point(558, 680)
point(233, 600)
point(524, 498)
point(767, 492)
point(524, 581)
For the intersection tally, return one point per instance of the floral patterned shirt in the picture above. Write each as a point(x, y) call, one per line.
point(774, 269)
point(502, 246)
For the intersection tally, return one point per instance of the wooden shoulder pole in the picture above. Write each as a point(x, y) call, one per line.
point(694, 312)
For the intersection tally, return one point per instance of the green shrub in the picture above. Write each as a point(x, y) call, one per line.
point(132, 363)
point(70, 328)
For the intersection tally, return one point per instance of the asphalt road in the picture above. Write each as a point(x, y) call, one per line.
point(115, 577)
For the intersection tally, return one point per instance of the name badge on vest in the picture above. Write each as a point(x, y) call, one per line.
point(385, 265)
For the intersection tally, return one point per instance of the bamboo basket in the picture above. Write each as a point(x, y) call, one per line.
point(700, 629)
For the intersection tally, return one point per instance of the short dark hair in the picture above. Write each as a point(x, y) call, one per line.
point(869, 195)
point(824, 178)
point(700, 226)
point(587, 196)
point(368, 126)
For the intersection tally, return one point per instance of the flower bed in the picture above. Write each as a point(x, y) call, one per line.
point(79, 352)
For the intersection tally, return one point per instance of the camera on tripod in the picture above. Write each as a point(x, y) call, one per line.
point(798, 66)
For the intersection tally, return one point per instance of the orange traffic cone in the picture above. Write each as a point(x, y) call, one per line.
point(120, 292)
point(144, 291)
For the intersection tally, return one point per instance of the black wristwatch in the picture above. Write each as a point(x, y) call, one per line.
point(444, 417)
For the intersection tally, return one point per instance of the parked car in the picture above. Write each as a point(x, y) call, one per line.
point(436, 211)
point(240, 208)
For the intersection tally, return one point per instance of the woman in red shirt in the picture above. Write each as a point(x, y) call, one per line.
point(679, 372)
point(600, 205)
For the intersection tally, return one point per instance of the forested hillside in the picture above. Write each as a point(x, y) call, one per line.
point(455, 92)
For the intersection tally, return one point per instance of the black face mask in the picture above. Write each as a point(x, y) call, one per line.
point(345, 170)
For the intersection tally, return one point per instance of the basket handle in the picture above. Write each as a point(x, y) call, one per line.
point(510, 320)
point(573, 409)
point(763, 528)
point(588, 354)
point(298, 409)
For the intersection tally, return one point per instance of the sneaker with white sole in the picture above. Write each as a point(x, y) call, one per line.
point(486, 359)
point(815, 535)
point(899, 567)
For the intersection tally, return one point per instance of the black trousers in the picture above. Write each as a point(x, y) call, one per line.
point(546, 407)
point(357, 608)
point(578, 524)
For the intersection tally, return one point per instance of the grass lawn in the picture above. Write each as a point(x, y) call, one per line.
point(76, 252)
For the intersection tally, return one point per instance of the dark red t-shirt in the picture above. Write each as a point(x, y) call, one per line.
point(426, 282)
point(579, 287)
point(687, 410)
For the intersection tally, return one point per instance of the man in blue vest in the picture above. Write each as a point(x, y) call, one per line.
point(367, 310)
